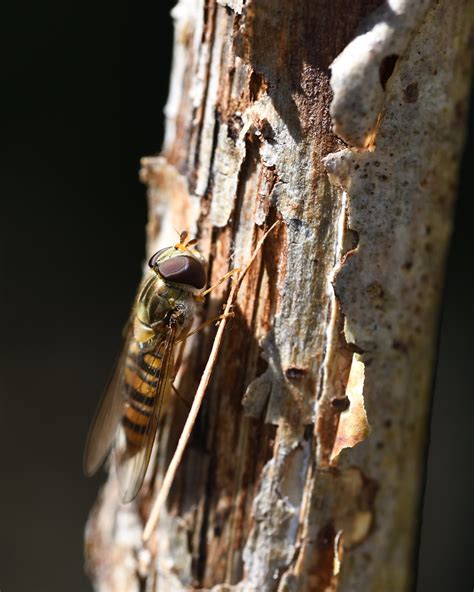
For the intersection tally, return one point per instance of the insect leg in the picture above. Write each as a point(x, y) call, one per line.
point(219, 282)
point(180, 397)
point(204, 325)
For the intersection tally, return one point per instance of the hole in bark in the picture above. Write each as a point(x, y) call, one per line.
point(326, 536)
point(217, 530)
point(257, 86)
point(262, 365)
point(267, 131)
point(293, 373)
point(295, 223)
point(351, 240)
point(400, 346)
point(410, 93)
point(340, 403)
point(326, 547)
point(386, 68)
point(234, 126)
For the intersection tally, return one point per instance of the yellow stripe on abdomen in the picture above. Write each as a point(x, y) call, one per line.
point(141, 378)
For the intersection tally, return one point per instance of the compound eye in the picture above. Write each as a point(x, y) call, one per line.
point(183, 270)
point(154, 258)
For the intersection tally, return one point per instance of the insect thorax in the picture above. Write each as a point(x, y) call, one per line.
point(160, 304)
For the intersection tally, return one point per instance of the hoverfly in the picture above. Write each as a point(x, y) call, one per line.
point(129, 412)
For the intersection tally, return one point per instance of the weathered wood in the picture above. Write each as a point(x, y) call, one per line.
point(306, 468)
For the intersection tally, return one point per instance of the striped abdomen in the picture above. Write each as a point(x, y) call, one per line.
point(141, 381)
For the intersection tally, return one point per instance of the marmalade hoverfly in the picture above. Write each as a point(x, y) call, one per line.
point(129, 411)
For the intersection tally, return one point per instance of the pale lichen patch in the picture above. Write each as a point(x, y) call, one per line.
point(270, 546)
point(360, 73)
point(227, 164)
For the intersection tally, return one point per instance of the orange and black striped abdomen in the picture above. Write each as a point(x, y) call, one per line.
point(141, 381)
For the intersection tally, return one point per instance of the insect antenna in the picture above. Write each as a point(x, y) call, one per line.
point(185, 242)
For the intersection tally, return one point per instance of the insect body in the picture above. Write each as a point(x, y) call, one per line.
point(130, 409)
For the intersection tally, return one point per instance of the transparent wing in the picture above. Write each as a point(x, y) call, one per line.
point(108, 415)
point(132, 463)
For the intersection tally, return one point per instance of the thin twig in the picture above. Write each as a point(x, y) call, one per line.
point(198, 398)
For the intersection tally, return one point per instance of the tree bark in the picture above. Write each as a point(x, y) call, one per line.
point(345, 120)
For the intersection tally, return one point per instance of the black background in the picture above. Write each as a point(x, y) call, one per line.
point(83, 87)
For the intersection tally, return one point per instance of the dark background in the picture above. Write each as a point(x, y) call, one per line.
point(83, 87)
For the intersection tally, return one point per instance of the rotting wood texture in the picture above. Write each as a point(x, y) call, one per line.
point(305, 470)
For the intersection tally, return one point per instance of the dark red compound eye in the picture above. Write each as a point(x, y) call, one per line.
point(183, 270)
point(154, 258)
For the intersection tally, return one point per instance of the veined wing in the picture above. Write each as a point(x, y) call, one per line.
point(137, 433)
point(108, 415)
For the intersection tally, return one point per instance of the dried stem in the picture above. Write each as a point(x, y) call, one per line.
point(198, 399)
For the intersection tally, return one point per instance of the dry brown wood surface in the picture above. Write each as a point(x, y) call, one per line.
point(344, 120)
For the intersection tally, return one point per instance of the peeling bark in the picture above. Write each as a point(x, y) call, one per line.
point(305, 470)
